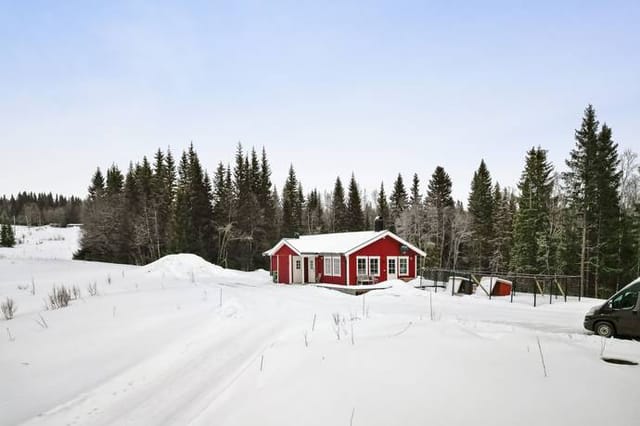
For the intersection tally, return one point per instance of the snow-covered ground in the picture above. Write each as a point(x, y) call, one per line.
point(43, 242)
point(182, 341)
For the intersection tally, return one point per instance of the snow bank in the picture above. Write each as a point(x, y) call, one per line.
point(184, 267)
point(401, 288)
point(190, 267)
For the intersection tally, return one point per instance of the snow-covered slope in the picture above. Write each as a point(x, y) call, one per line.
point(43, 242)
point(181, 341)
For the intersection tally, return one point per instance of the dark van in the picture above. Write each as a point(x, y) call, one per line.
point(618, 316)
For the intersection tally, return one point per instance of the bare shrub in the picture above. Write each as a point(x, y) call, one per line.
point(42, 322)
point(59, 298)
point(77, 294)
point(92, 289)
point(336, 324)
point(8, 308)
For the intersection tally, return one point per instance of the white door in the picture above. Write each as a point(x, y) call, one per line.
point(298, 272)
point(392, 268)
point(312, 269)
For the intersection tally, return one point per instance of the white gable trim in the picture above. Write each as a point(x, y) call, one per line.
point(381, 236)
point(283, 242)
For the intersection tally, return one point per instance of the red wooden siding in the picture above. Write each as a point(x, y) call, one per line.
point(282, 265)
point(384, 248)
point(327, 279)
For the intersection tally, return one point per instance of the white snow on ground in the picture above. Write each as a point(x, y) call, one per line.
point(181, 341)
point(43, 242)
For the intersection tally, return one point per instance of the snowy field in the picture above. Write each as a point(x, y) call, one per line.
point(182, 342)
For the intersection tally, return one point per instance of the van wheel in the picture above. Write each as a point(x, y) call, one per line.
point(604, 329)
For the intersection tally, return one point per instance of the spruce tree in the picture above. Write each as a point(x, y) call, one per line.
point(7, 234)
point(398, 200)
point(355, 214)
point(290, 220)
point(502, 230)
point(606, 253)
point(96, 189)
point(115, 181)
point(481, 215)
point(531, 222)
point(411, 223)
point(439, 199)
point(339, 208)
point(593, 183)
point(201, 208)
point(415, 199)
point(300, 207)
point(382, 207)
point(266, 202)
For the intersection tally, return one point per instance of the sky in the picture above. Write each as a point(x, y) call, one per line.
point(333, 87)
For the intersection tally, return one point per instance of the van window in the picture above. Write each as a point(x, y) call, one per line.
point(625, 300)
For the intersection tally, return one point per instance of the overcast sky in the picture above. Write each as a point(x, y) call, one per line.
point(373, 88)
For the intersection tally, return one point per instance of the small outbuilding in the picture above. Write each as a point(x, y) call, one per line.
point(347, 258)
point(497, 286)
point(461, 285)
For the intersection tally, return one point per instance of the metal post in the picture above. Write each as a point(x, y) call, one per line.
point(550, 294)
point(513, 289)
point(535, 297)
point(566, 287)
point(490, 286)
point(453, 282)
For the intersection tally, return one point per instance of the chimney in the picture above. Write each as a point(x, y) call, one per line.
point(378, 224)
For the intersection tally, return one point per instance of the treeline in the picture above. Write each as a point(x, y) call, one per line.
point(163, 207)
point(30, 209)
point(585, 221)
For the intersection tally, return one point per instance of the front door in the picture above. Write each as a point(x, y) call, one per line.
point(312, 269)
point(298, 271)
point(392, 268)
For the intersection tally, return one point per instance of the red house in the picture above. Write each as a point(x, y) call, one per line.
point(347, 258)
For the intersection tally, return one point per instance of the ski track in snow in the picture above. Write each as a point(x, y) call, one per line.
point(173, 387)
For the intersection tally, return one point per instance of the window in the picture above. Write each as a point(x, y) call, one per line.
point(361, 263)
point(312, 264)
point(403, 265)
point(626, 300)
point(336, 266)
point(332, 266)
point(374, 266)
point(298, 264)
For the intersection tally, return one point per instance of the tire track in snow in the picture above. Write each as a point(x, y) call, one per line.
point(176, 385)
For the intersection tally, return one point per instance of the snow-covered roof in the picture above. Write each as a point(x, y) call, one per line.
point(491, 281)
point(341, 242)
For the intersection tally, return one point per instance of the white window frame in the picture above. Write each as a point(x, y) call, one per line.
point(395, 265)
point(328, 265)
point(332, 266)
point(406, 270)
point(336, 261)
point(366, 265)
point(377, 258)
